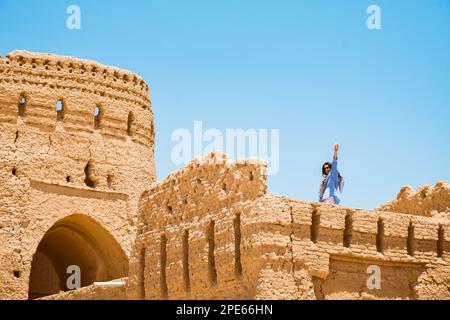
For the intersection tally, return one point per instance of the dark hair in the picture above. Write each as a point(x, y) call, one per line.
point(323, 167)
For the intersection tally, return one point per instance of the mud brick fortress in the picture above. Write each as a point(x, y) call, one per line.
point(78, 187)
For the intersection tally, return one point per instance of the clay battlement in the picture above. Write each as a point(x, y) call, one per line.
point(427, 200)
point(204, 185)
point(92, 97)
point(71, 67)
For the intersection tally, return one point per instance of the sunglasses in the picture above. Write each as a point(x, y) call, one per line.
point(326, 168)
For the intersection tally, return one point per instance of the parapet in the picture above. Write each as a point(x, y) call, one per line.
point(71, 67)
point(92, 96)
point(427, 200)
point(204, 185)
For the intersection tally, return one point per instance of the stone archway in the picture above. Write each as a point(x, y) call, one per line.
point(75, 240)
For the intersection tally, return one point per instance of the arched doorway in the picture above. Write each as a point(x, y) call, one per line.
point(75, 240)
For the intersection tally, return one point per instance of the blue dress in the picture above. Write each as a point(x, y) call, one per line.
point(333, 182)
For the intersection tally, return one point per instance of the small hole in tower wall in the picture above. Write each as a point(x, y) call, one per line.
point(59, 110)
point(68, 179)
point(97, 117)
point(14, 172)
point(17, 273)
point(109, 180)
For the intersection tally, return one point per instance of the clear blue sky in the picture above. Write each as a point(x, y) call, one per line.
point(308, 68)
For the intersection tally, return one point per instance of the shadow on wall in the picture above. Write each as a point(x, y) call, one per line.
point(75, 240)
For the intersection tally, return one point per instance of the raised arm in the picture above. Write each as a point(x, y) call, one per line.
point(334, 175)
point(336, 149)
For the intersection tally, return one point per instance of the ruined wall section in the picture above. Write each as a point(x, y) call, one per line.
point(427, 200)
point(189, 241)
point(56, 161)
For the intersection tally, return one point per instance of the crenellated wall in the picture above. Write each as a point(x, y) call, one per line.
point(336, 245)
point(210, 231)
point(187, 217)
point(59, 158)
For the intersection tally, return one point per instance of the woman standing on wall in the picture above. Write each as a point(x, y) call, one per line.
point(332, 181)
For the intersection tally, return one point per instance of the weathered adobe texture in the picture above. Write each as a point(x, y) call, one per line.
point(73, 192)
point(427, 200)
point(211, 231)
point(70, 181)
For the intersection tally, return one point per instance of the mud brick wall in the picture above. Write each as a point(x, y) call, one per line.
point(190, 229)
